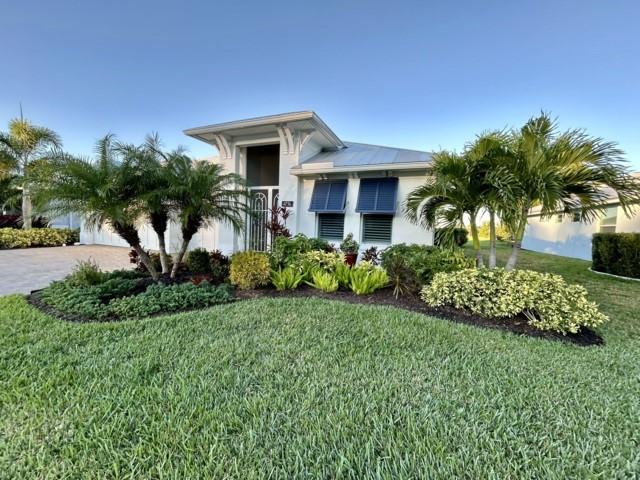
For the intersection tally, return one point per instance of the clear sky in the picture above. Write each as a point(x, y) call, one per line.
point(424, 74)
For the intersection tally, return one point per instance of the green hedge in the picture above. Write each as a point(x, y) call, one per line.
point(616, 253)
point(38, 237)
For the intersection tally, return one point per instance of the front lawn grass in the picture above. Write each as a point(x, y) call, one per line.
point(309, 388)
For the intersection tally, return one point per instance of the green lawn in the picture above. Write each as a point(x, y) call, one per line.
point(317, 389)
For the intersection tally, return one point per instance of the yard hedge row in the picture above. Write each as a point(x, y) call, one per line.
point(616, 253)
point(38, 237)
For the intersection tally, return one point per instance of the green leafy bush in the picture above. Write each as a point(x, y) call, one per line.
point(288, 279)
point(86, 273)
point(546, 300)
point(114, 299)
point(366, 278)
point(343, 275)
point(502, 233)
point(38, 237)
point(286, 251)
point(458, 235)
point(415, 265)
point(314, 260)
point(160, 298)
point(616, 253)
point(349, 244)
point(249, 270)
point(325, 281)
point(199, 261)
point(219, 266)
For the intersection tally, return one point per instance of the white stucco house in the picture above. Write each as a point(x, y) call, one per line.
point(570, 236)
point(332, 187)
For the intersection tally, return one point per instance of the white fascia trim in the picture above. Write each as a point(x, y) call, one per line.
point(268, 120)
point(299, 171)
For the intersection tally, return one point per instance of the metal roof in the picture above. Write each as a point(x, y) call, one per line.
point(362, 154)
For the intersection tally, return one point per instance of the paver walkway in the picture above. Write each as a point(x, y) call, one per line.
point(26, 269)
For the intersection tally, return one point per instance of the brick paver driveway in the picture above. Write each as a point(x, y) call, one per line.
point(29, 269)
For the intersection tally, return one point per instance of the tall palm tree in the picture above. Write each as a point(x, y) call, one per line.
point(562, 173)
point(491, 153)
point(103, 192)
point(450, 192)
point(201, 194)
point(22, 149)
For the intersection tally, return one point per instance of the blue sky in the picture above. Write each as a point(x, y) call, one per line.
point(424, 75)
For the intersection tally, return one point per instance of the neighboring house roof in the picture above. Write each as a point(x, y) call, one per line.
point(364, 157)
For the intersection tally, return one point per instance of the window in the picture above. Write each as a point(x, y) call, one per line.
point(609, 219)
point(328, 196)
point(577, 216)
point(331, 226)
point(544, 219)
point(559, 218)
point(377, 195)
point(376, 228)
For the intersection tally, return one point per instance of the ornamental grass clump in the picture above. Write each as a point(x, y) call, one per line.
point(546, 300)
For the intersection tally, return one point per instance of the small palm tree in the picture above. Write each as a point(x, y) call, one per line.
point(23, 149)
point(201, 194)
point(562, 173)
point(154, 188)
point(102, 191)
point(450, 192)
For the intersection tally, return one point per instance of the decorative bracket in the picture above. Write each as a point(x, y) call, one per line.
point(222, 142)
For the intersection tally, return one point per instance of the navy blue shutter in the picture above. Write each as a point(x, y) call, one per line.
point(377, 195)
point(328, 196)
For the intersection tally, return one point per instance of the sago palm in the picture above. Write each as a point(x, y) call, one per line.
point(22, 150)
point(450, 192)
point(103, 192)
point(201, 194)
point(562, 173)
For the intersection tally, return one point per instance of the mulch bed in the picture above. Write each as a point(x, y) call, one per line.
point(518, 325)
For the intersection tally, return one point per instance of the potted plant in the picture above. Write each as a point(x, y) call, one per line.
point(350, 247)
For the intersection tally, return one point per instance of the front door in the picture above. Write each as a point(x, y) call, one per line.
point(261, 200)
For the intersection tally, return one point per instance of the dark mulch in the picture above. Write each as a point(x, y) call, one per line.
point(586, 337)
point(518, 325)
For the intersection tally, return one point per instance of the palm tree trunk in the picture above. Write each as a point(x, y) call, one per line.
point(164, 258)
point(27, 210)
point(492, 239)
point(146, 261)
point(180, 256)
point(517, 242)
point(475, 240)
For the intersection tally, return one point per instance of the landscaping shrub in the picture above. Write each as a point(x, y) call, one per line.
point(85, 274)
point(314, 260)
point(371, 255)
point(249, 269)
point(616, 253)
point(121, 296)
point(325, 281)
point(10, 221)
point(286, 251)
point(546, 300)
point(199, 261)
point(460, 237)
point(502, 233)
point(349, 245)
point(37, 237)
point(287, 279)
point(415, 265)
point(219, 266)
point(367, 278)
point(343, 275)
point(169, 298)
point(402, 278)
